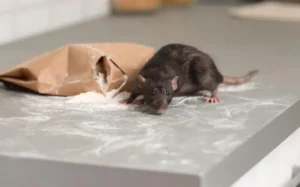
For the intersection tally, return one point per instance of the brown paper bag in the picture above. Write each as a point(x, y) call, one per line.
point(79, 68)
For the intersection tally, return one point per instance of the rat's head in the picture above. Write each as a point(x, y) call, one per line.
point(158, 95)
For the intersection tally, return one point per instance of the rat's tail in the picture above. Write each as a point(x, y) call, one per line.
point(239, 80)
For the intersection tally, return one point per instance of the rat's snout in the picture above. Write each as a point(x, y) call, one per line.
point(160, 104)
point(157, 103)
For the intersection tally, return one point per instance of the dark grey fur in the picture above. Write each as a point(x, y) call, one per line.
point(196, 71)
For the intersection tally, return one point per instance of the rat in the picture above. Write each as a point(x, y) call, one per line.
point(179, 70)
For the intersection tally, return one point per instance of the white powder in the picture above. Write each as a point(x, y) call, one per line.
point(227, 143)
point(103, 128)
point(235, 116)
point(87, 98)
point(90, 97)
point(92, 101)
point(85, 102)
point(101, 80)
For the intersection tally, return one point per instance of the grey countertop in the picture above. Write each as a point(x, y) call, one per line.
point(192, 138)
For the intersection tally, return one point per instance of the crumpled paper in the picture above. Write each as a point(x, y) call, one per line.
point(78, 68)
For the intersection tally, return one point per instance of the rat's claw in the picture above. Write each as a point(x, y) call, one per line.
point(212, 100)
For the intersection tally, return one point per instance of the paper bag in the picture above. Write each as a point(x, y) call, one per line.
point(79, 68)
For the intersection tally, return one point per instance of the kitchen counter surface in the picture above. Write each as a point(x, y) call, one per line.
point(192, 138)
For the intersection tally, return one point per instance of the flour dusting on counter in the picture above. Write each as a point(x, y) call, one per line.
point(96, 129)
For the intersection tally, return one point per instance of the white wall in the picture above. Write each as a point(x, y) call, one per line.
point(23, 18)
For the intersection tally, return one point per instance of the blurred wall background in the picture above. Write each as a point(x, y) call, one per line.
point(23, 18)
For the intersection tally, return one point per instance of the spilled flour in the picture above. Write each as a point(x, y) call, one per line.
point(98, 101)
point(96, 129)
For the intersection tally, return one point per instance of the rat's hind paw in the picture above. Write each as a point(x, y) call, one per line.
point(212, 100)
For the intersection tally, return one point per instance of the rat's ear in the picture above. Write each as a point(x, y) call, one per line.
point(174, 83)
point(141, 81)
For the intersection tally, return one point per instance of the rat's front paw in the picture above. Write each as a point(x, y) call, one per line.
point(212, 100)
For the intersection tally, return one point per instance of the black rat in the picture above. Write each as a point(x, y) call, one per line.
point(179, 70)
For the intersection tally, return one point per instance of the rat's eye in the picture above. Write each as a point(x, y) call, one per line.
point(152, 93)
point(167, 92)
